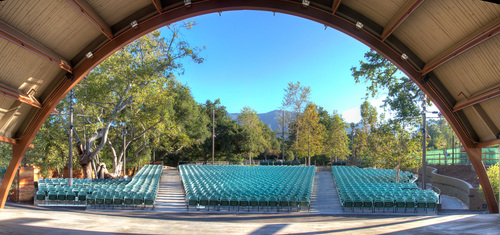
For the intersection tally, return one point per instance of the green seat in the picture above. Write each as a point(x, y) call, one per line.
point(61, 196)
point(90, 199)
point(213, 201)
point(234, 202)
point(40, 195)
point(70, 196)
point(410, 203)
point(389, 202)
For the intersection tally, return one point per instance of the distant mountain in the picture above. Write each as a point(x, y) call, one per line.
point(270, 119)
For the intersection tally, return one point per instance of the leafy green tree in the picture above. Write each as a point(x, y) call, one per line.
point(294, 103)
point(493, 177)
point(310, 138)
point(257, 141)
point(403, 96)
point(132, 90)
point(336, 141)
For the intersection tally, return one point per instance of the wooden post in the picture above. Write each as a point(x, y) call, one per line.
point(475, 158)
point(18, 151)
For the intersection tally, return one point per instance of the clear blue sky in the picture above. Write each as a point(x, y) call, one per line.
point(251, 56)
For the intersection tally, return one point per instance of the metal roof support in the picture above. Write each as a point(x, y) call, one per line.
point(205, 7)
point(400, 17)
point(13, 35)
point(83, 7)
point(481, 35)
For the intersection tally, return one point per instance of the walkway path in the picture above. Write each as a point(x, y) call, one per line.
point(170, 194)
point(325, 199)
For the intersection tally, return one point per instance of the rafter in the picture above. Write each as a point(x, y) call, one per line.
point(9, 115)
point(11, 141)
point(487, 120)
point(400, 17)
point(15, 36)
point(157, 5)
point(28, 99)
point(14, 94)
point(488, 143)
point(83, 7)
point(477, 98)
point(335, 6)
point(481, 35)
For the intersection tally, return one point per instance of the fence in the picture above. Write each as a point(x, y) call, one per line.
point(454, 156)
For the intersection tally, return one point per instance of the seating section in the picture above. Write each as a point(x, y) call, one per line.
point(137, 192)
point(376, 190)
point(279, 163)
point(247, 187)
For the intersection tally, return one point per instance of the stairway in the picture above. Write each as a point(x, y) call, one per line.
point(325, 199)
point(170, 194)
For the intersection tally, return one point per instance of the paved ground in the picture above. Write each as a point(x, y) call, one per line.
point(170, 217)
point(16, 219)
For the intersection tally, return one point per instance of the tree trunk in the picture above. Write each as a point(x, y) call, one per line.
point(84, 161)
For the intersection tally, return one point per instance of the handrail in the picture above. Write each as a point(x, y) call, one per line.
point(434, 188)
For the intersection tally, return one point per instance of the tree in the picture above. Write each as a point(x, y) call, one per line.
point(492, 173)
point(336, 141)
point(310, 138)
point(257, 141)
point(403, 96)
point(294, 102)
point(130, 89)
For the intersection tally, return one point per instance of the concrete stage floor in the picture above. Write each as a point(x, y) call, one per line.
point(25, 219)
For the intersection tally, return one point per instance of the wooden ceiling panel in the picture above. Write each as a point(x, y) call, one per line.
point(437, 25)
point(378, 11)
point(23, 70)
point(10, 130)
point(5, 105)
point(473, 71)
point(479, 126)
point(491, 107)
point(115, 11)
point(55, 24)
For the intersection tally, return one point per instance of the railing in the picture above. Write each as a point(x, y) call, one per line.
point(438, 192)
point(461, 158)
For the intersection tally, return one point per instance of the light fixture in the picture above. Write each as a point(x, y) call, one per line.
point(187, 2)
point(404, 56)
point(359, 25)
point(134, 24)
point(89, 55)
point(306, 3)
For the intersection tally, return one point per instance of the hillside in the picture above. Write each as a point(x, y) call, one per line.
point(270, 119)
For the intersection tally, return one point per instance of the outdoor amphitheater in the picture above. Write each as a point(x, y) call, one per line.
point(85, 83)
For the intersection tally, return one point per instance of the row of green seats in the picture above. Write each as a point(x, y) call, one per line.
point(247, 186)
point(113, 192)
point(375, 189)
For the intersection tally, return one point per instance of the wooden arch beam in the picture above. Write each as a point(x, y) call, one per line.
point(400, 17)
point(13, 35)
point(481, 35)
point(83, 7)
point(211, 6)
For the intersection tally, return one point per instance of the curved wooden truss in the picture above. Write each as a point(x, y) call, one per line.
point(336, 15)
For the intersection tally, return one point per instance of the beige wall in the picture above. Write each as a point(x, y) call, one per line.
point(456, 188)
